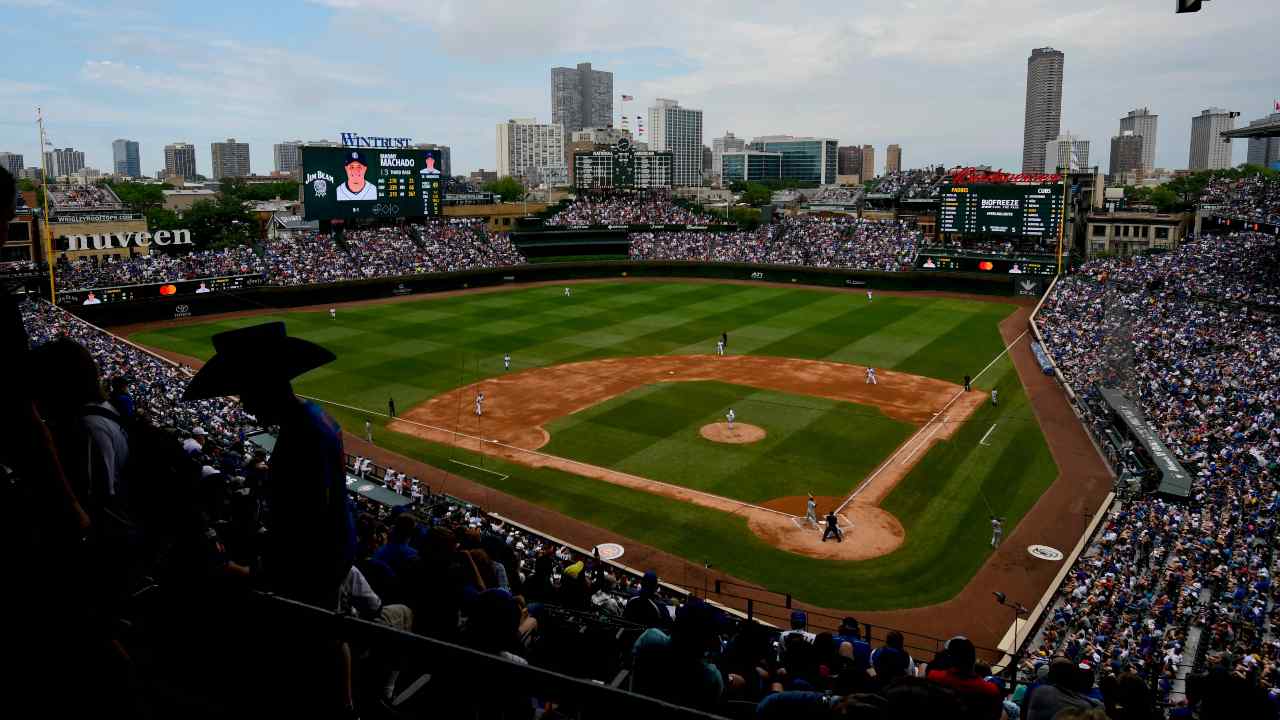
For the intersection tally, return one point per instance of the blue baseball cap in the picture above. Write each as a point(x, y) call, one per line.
point(355, 156)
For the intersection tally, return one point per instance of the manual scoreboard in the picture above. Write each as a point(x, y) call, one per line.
point(345, 183)
point(1031, 210)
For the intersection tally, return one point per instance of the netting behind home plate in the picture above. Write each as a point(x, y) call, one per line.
point(1117, 349)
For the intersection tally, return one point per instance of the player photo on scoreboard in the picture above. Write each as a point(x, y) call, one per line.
point(356, 186)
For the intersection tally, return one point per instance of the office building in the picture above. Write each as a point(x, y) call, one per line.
point(1065, 151)
point(230, 159)
point(1262, 151)
point(721, 145)
point(678, 131)
point(1209, 150)
point(482, 177)
point(581, 98)
point(1126, 157)
point(806, 159)
point(1142, 123)
point(11, 162)
point(892, 159)
point(849, 160)
point(750, 165)
point(868, 162)
point(1043, 119)
point(287, 157)
point(124, 158)
point(66, 161)
point(446, 157)
point(180, 160)
point(532, 152)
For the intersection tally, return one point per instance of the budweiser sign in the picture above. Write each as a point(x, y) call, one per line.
point(974, 176)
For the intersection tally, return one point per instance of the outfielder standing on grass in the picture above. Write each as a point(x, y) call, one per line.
point(506, 361)
point(995, 397)
point(997, 530)
point(811, 511)
point(719, 347)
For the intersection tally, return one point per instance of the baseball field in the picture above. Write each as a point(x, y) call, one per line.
point(613, 412)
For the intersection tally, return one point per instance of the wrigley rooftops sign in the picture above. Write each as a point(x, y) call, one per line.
point(351, 139)
point(107, 241)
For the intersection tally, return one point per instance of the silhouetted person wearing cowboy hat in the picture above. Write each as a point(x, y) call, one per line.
point(312, 541)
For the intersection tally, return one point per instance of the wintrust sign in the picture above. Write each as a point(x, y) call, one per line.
point(350, 139)
point(108, 241)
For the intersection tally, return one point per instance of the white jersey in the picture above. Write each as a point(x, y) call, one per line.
point(368, 192)
point(731, 417)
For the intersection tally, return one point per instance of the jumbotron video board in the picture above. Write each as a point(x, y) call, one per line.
point(346, 183)
point(1031, 210)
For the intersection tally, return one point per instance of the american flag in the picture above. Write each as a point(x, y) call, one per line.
point(627, 98)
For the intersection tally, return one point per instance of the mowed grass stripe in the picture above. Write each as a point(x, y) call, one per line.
point(901, 338)
point(950, 355)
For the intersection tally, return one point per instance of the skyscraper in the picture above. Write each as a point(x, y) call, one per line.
point(868, 162)
point(1143, 124)
point(125, 160)
point(1262, 151)
point(722, 145)
point(62, 162)
point(1043, 119)
point(892, 159)
point(532, 152)
point(849, 160)
point(1126, 157)
point(11, 162)
point(288, 156)
point(1065, 151)
point(230, 159)
point(180, 160)
point(581, 97)
point(1209, 150)
point(679, 131)
point(808, 159)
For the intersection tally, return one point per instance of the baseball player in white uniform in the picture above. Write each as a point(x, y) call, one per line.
point(720, 347)
point(567, 292)
point(868, 294)
point(995, 397)
point(871, 376)
point(368, 431)
point(479, 403)
point(333, 313)
point(730, 417)
point(811, 512)
point(997, 530)
point(506, 361)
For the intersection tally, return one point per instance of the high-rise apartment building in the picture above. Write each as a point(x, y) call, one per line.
point(66, 161)
point(180, 160)
point(1065, 151)
point(1209, 150)
point(1142, 123)
point(679, 131)
point(892, 159)
point(446, 157)
point(1043, 119)
point(1126, 157)
point(726, 144)
point(868, 162)
point(125, 159)
point(230, 159)
point(849, 160)
point(807, 159)
point(287, 156)
point(581, 98)
point(1262, 151)
point(532, 152)
point(11, 162)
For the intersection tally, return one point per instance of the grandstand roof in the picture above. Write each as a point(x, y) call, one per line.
point(1269, 128)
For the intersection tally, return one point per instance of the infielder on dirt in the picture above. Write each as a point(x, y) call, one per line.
point(480, 403)
point(871, 376)
point(720, 347)
point(730, 417)
point(811, 511)
point(997, 530)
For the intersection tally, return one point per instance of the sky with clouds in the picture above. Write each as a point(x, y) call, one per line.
point(945, 79)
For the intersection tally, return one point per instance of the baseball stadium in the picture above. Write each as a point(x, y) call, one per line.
point(872, 431)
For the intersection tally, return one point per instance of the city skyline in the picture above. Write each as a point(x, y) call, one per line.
point(160, 78)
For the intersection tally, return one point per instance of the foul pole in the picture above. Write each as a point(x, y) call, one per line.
point(46, 231)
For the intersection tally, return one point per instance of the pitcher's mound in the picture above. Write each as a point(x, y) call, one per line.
point(741, 434)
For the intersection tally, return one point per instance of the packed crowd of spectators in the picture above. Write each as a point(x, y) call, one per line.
point(625, 208)
point(1255, 198)
point(809, 240)
point(911, 184)
point(443, 246)
point(83, 197)
point(1169, 587)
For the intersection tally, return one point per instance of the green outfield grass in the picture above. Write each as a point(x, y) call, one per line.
point(813, 444)
point(417, 349)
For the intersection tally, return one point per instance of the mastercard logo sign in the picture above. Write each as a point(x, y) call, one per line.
point(982, 265)
point(173, 289)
